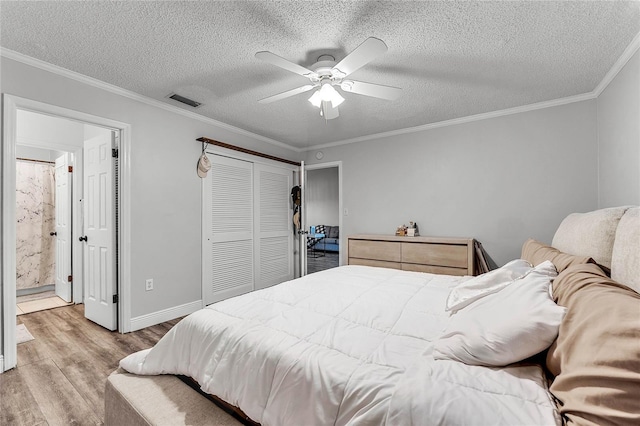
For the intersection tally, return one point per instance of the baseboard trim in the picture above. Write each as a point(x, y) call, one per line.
point(34, 290)
point(154, 318)
point(1, 364)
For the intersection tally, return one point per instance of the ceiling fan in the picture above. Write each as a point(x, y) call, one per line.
point(326, 73)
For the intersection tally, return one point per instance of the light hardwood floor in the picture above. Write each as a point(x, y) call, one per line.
point(61, 374)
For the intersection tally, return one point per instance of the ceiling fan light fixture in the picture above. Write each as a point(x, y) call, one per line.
point(329, 94)
point(336, 100)
point(327, 111)
point(326, 94)
point(315, 99)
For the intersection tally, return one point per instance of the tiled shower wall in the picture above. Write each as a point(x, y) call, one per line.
point(35, 213)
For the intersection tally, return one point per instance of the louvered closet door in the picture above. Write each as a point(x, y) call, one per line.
point(274, 238)
point(228, 227)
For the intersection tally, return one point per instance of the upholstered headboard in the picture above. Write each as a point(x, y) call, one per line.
point(595, 360)
point(610, 236)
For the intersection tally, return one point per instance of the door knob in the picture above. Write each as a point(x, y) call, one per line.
point(83, 238)
point(53, 233)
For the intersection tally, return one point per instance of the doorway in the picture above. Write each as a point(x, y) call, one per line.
point(322, 209)
point(43, 227)
point(83, 279)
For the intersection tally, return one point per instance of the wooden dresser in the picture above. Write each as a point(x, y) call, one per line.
point(450, 256)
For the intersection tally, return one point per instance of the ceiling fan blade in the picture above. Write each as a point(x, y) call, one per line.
point(278, 61)
point(363, 54)
point(369, 89)
point(286, 94)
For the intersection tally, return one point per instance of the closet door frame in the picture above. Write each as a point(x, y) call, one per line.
point(215, 150)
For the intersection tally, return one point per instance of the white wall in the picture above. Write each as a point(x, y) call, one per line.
point(619, 138)
point(35, 129)
point(93, 131)
point(500, 180)
point(31, 153)
point(36, 133)
point(321, 197)
point(165, 190)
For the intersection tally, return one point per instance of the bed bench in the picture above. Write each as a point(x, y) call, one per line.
point(158, 400)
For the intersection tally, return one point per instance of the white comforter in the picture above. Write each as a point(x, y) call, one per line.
point(350, 345)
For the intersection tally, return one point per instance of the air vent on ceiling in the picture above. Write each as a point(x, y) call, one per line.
point(184, 100)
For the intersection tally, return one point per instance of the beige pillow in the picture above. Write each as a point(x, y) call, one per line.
point(625, 259)
point(596, 357)
point(535, 253)
point(589, 234)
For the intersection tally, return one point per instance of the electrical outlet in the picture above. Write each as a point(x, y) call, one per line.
point(149, 284)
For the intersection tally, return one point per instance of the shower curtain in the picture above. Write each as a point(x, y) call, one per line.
point(35, 214)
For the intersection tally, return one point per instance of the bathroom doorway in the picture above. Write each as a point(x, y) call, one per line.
point(100, 201)
point(49, 209)
point(43, 229)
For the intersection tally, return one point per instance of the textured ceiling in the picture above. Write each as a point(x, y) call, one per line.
point(452, 59)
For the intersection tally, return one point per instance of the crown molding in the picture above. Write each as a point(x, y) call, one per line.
point(620, 63)
point(461, 120)
point(46, 66)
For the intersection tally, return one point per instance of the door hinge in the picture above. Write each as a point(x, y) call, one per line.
point(70, 169)
point(115, 298)
point(114, 152)
point(70, 278)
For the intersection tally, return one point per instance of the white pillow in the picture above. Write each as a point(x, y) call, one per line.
point(506, 327)
point(483, 285)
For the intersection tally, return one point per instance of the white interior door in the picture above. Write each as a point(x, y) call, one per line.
point(227, 244)
point(303, 232)
point(273, 226)
point(63, 227)
point(99, 231)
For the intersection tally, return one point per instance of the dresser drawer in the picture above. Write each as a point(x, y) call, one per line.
point(378, 263)
point(450, 255)
point(443, 270)
point(375, 250)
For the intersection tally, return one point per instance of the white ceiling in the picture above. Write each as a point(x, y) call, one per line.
point(452, 59)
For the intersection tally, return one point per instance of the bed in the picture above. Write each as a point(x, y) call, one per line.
point(364, 345)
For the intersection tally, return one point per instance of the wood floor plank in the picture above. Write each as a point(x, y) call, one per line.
point(62, 349)
point(51, 318)
point(61, 375)
point(99, 352)
point(59, 401)
point(19, 407)
point(89, 381)
point(32, 351)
